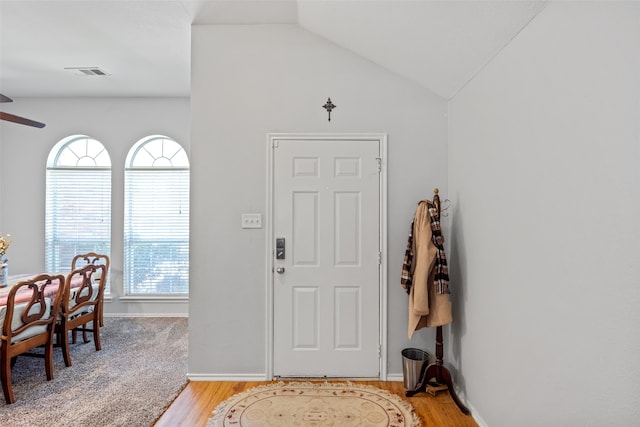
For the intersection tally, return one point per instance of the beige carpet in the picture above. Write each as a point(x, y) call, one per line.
point(139, 371)
point(314, 404)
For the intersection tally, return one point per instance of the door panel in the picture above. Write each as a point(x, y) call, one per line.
point(347, 228)
point(306, 324)
point(326, 300)
point(305, 228)
point(348, 305)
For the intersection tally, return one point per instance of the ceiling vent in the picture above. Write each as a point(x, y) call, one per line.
point(88, 71)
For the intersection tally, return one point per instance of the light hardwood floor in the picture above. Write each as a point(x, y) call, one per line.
point(194, 406)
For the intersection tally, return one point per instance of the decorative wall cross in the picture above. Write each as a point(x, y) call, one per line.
point(329, 106)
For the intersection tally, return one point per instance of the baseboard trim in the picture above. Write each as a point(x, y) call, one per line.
point(263, 377)
point(146, 315)
point(395, 377)
point(227, 377)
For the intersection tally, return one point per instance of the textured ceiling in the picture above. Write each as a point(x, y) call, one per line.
point(145, 45)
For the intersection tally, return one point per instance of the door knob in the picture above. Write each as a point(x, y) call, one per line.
point(280, 270)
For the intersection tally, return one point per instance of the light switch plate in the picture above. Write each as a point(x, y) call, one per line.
point(251, 220)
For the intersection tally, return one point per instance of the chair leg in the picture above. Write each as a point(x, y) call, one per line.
point(84, 333)
point(63, 340)
point(96, 333)
point(48, 358)
point(5, 377)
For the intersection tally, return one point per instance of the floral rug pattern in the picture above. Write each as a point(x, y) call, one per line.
point(314, 405)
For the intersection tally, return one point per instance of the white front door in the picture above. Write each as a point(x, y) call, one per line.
point(326, 285)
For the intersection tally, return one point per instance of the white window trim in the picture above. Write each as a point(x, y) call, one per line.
point(132, 291)
point(154, 298)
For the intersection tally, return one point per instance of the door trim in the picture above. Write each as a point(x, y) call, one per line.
point(381, 139)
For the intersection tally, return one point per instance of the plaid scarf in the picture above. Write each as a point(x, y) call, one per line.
point(441, 278)
point(406, 280)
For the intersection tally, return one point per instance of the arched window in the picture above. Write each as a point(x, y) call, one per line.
point(156, 218)
point(78, 201)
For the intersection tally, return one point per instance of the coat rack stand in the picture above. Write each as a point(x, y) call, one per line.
point(440, 373)
point(437, 370)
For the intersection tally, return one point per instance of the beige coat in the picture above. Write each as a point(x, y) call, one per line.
point(427, 308)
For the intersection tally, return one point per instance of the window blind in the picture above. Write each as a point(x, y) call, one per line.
point(156, 231)
point(77, 215)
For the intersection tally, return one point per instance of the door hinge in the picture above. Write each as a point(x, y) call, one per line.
point(379, 159)
point(379, 351)
point(275, 143)
point(379, 258)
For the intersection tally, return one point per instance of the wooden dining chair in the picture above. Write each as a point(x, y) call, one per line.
point(28, 322)
point(82, 297)
point(95, 259)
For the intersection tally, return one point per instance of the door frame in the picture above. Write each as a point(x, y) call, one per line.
point(381, 139)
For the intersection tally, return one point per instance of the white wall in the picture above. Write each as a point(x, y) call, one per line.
point(117, 123)
point(1, 180)
point(543, 163)
point(247, 81)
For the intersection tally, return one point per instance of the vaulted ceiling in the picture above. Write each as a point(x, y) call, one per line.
point(144, 46)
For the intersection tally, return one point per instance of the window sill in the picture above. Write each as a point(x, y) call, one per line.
point(154, 298)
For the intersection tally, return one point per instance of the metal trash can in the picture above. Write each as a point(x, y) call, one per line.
point(414, 363)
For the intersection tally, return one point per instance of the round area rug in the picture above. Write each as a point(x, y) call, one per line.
point(314, 404)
